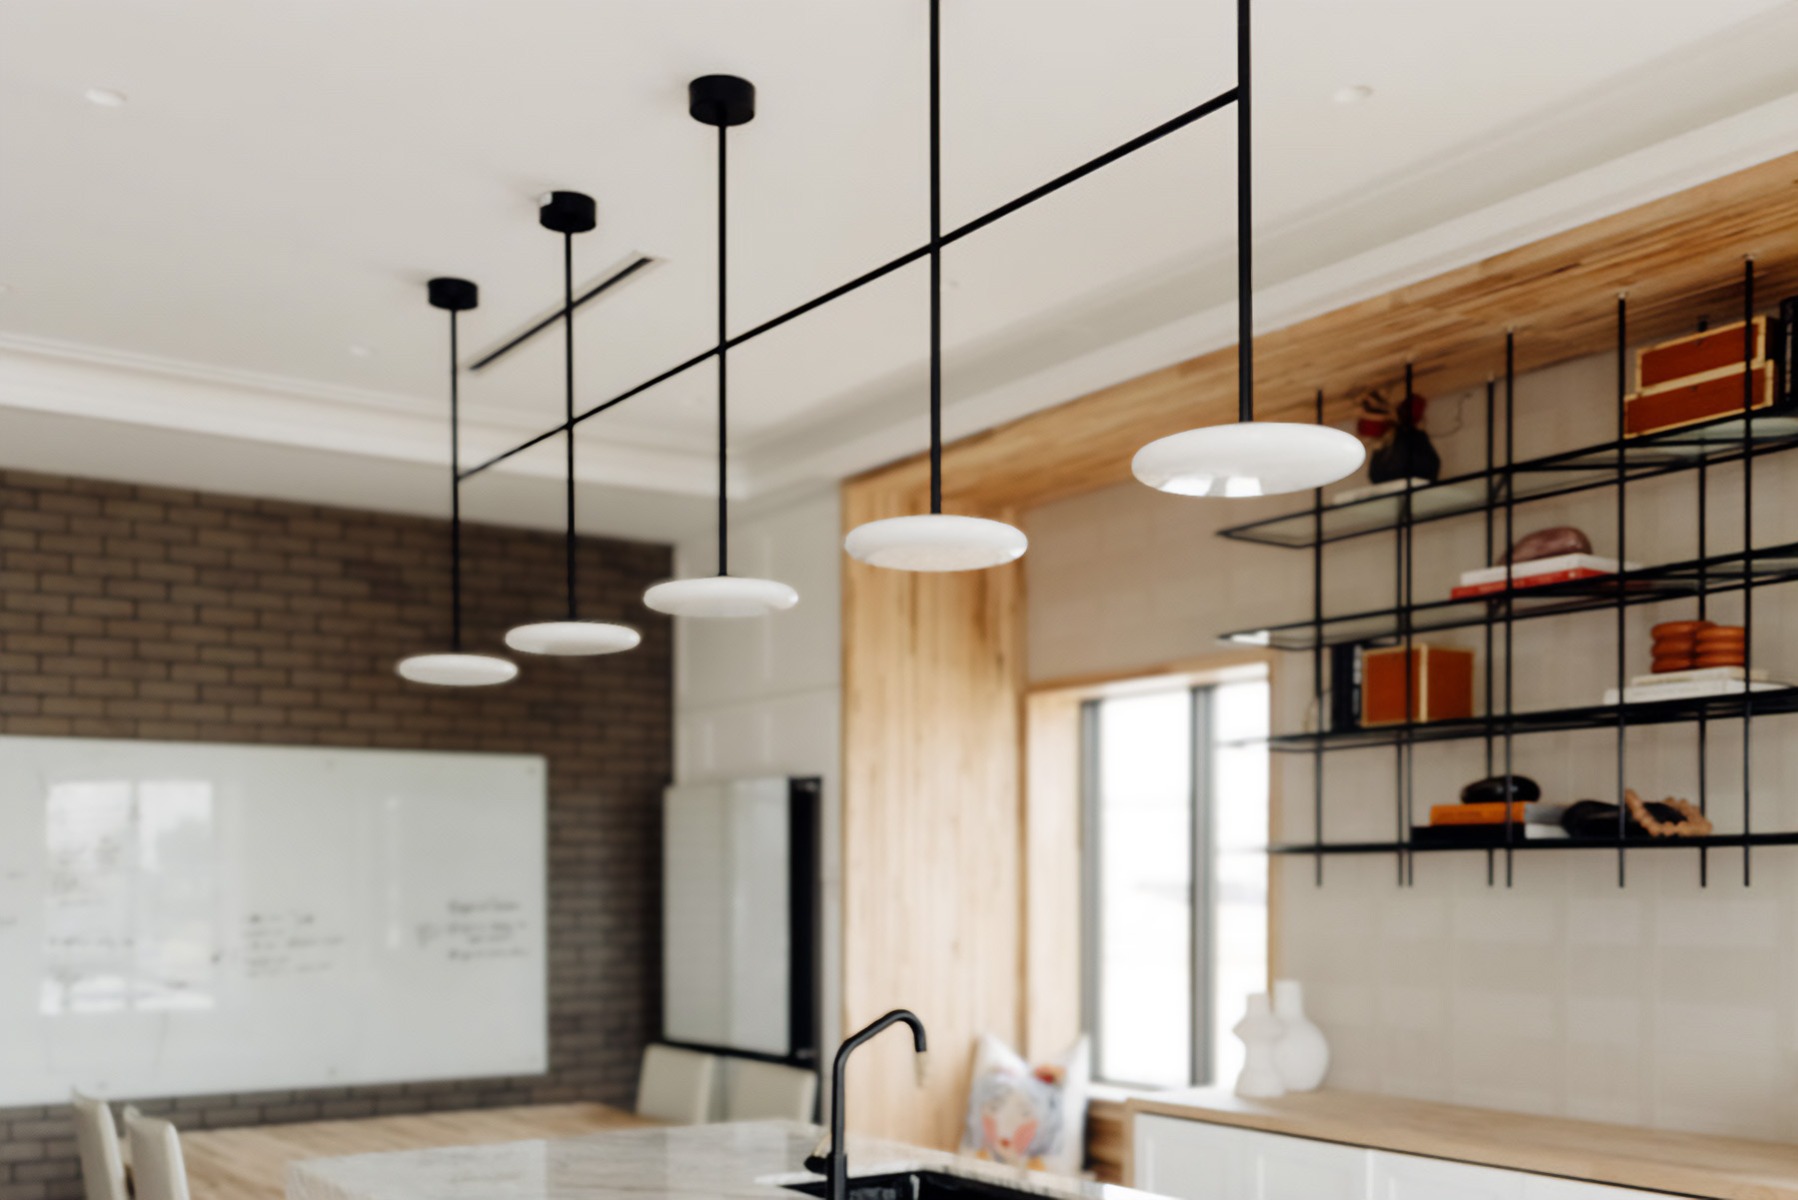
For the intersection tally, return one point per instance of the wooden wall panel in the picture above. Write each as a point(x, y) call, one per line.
point(931, 824)
point(1052, 870)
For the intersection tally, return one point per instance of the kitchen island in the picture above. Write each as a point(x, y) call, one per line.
point(740, 1161)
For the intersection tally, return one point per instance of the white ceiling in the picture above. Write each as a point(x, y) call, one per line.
point(284, 177)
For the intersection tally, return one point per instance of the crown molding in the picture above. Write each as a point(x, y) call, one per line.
point(133, 389)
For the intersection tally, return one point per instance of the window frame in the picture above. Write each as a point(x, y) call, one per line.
point(1201, 696)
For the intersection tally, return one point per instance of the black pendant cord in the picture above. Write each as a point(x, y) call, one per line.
point(568, 544)
point(723, 347)
point(936, 261)
point(455, 496)
point(1245, 304)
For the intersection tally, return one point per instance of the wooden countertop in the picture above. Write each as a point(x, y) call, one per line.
point(251, 1163)
point(1689, 1164)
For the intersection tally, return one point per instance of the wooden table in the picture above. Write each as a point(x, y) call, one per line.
point(251, 1163)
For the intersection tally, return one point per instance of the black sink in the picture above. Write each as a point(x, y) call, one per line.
point(918, 1185)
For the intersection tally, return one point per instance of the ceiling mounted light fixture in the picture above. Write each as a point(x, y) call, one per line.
point(456, 668)
point(569, 213)
point(1249, 458)
point(721, 101)
point(937, 541)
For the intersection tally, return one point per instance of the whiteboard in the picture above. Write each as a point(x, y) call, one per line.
point(182, 919)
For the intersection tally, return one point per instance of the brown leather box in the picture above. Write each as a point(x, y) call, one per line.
point(1441, 685)
point(1674, 405)
point(1685, 359)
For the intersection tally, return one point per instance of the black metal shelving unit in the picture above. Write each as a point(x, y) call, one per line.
point(1495, 494)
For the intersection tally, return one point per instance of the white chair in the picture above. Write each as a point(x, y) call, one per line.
point(157, 1169)
point(676, 1085)
point(757, 1091)
point(97, 1140)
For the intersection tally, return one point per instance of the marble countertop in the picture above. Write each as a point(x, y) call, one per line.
point(740, 1161)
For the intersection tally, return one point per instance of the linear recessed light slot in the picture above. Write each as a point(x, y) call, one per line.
point(632, 265)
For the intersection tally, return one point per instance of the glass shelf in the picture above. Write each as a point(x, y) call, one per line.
point(1552, 720)
point(1651, 585)
point(1562, 474)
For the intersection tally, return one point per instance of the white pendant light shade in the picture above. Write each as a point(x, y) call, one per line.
point(720, 596)
point(936, 542)
point(457, 670)
point(573, 639)
point(1249, 458)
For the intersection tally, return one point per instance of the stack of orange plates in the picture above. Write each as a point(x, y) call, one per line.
point(1676, 645)
point(1720, 646)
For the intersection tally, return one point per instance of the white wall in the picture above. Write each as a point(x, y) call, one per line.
point(1663, 1003)
point(763, 696)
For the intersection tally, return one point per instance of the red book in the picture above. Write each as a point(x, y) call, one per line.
point(1470, 590)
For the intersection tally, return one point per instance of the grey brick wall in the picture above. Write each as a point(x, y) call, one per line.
point(137, 612)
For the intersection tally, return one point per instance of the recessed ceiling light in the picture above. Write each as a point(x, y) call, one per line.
point(105, 97)
point(1354, 93)
point(358, 350)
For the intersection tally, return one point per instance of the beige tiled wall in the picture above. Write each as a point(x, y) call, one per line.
point(1664, 1002)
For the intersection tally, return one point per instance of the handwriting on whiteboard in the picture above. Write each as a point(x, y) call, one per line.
point(288, 943)
point(477, 930)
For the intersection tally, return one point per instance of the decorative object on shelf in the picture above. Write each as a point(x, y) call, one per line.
point(1249, 458)
point(1519, 789)
point(456, 668)
point(1540, 572)
point(721, 101)
point(1720, 646)
point(1488, 836)
point(1402, 450)
point(1691, 822)
point(1522, 813)
point(1484, 837)
point(1028, 1116)
point(569, 213)
point(1697, 378)
point(1675, 646)
point(1689, 685)
point(1558, 554)
point(1259, 1030)
point(936, 541)
point(1436, 680)
point(1669, 818)
point(1685, 647)
point(1301, 1056)
point(1547, 543)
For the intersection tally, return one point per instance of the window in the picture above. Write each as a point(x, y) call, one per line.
point(1175, 891)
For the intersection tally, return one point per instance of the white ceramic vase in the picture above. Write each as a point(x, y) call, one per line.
point(1302, 1056)
point(1260, 1032)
